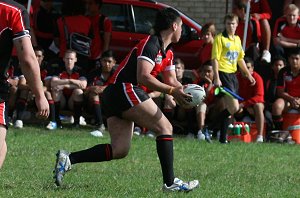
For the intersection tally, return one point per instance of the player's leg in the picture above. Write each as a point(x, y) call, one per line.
point(148, 115)
point(259, 120)
point(3, 147)
point(277, 110)
point(75, 103)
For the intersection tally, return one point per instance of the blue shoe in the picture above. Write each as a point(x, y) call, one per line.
point(180, 186)
point(207, 135)
point(62, 165)
point(51, 126)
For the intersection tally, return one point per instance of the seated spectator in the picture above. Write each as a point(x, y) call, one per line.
point(253, 33)
point(181, 119)
point(253, 104)
point(288, 91)
point(208, 32)
point(13, 74)
point(278, 63)
point(24, 93)
point(67, 89)
point(97, 82)
point(206, 108)
point(286, 34)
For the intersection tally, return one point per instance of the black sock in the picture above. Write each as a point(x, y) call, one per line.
point(21, 105)
point(57, 111)
point(77, 111)
point(278, 122)
point(223, 118)
point(98, 153)
point(52, 110)
point(164, 147)
point(190, 116)
point(98, 113)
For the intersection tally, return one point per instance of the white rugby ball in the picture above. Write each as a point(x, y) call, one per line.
point(197, 92)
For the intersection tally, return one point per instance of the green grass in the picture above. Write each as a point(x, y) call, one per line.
point(235, 170)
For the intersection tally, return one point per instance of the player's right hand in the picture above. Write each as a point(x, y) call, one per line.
point(180, 97)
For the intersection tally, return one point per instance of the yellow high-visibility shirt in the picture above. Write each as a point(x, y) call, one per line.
point(227, 52)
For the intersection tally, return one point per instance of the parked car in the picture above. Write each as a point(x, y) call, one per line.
point(132, 21)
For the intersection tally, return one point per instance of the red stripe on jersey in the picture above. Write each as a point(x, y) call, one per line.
point(2, 113)
point(143, 46)
point(130, 94)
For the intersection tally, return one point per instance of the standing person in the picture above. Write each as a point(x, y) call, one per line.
point(125, 103)
point(14, 30)
point(102, 29)
point(227, 53)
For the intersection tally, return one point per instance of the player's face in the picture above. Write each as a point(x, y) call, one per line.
point(179, 70)
point(177, 30)
point(277, 66)
point(208, 37)
point(294, 61)
point(107, 63)
point(70, 60)
point(39, 56)
point(292, 17)
point(250, 67)
point(208, 72)
point(231, 26)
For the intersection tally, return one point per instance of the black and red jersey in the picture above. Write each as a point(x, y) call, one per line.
point(289, 82)
point(150, 49)
point(96, 78)
point(76, 75)
point(14, 24)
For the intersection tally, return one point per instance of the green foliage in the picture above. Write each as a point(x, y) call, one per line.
point(234, 170)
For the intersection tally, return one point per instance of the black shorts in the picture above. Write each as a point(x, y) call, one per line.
point(120, 97)
point(230, 81)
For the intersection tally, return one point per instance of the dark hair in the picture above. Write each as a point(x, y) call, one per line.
point(209, 27)
point(207, 63)
point(38, 48)
point(165, 19)
point(108, 54)
point(249, 60)
point(73, 7)
point(278, 58)
point(241, 5)
point(293, 51)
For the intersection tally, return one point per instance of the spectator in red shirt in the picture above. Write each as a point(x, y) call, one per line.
point(208, 32)
point(288, 91)
point(286, 34)
point(253, 104)
point(102, 29)
point(67, 89)
point(74, 21)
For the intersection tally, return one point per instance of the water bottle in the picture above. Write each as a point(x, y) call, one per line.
point(230, 130)
point(237, 129)
point(247, 128)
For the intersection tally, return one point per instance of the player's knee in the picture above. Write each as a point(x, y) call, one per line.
point(120, 153)
point(165, 129)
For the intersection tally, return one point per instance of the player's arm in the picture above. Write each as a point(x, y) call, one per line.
point(80, 83)
point(244, 69)
point(31, 70)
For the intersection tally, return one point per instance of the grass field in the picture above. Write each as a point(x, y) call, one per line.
point(234, 170)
